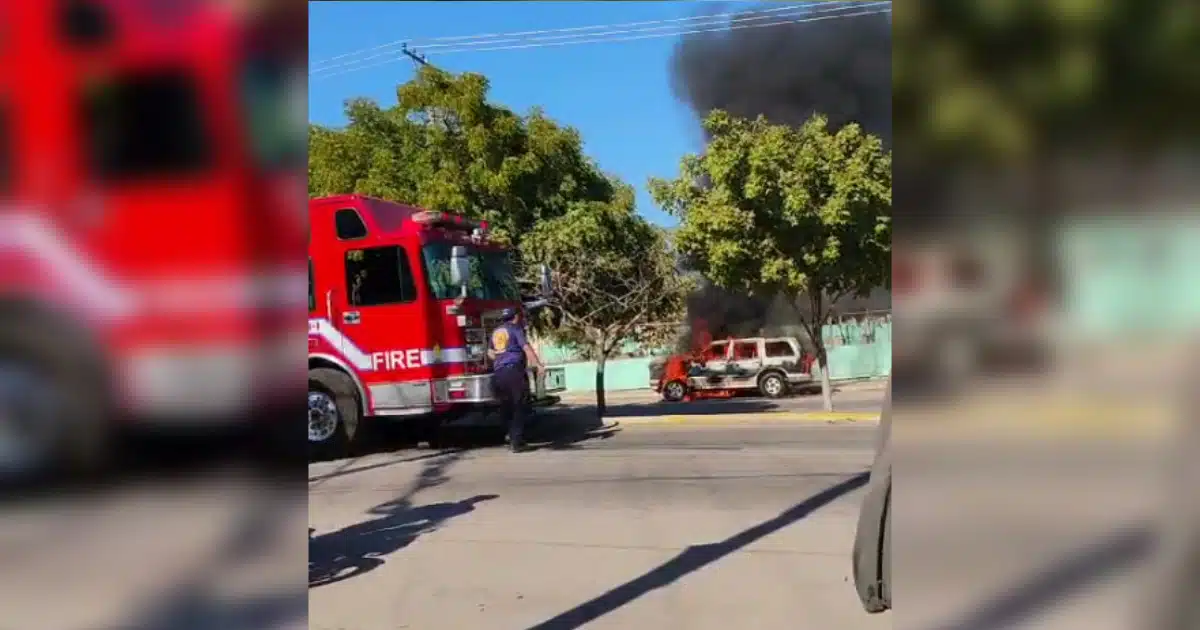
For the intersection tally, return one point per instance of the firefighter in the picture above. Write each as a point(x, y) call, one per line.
point(511, 357)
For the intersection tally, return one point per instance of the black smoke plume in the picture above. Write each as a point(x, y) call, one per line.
point(839, 65)
point(721, 314)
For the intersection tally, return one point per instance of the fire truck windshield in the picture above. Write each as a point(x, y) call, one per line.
point(492, 275)
point(270, 98)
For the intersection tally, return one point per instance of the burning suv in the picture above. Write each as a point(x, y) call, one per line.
point(772, 366)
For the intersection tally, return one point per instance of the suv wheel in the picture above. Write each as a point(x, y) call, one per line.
point(772, 385)
point(674, 391)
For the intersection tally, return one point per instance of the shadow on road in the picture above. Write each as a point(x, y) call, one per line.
point(348, 467)
point(360, 548)
point(694, 408)
point(558, 429)
point(1066, 577)
point(695, 558)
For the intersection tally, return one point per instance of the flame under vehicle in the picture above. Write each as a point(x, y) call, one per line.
point(402, 302)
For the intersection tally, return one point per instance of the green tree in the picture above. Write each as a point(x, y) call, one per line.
point(1011, 77)
point(771, 210)
point(444, 146)
point(614, 279)
point(1025, 84)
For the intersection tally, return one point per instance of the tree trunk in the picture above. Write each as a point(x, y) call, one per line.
point(823, 366)
point(601, 406)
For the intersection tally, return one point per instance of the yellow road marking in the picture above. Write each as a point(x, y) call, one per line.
point(815, 417)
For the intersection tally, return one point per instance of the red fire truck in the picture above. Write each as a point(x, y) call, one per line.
point(401, 303)
point(150, 242)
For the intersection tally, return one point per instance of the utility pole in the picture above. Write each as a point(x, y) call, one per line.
point(435, 116)
point(415, 56)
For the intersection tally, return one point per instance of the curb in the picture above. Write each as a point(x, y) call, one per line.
point(804, 417)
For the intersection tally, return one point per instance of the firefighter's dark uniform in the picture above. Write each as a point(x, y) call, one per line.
point(510, 378)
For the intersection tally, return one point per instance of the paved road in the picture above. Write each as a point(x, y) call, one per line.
point(647, 527)
point(202, 549)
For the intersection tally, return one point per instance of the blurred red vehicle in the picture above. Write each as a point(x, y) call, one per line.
point(152, 224)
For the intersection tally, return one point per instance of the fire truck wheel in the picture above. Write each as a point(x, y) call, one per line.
point(773, 385)
point(674, 391)
point(54, 400)
point(333, 413)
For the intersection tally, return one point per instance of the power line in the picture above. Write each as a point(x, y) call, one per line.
point(482, 38)
point(602, 40)
point(799, 9)
point(487, 36)
point(730, 26)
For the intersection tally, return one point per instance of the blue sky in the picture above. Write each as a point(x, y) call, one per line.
point(617, 94)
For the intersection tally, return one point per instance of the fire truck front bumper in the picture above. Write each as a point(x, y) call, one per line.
point(212, 383)
point(464, 389)
point(477, 388)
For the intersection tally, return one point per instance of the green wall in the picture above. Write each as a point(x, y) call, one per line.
point(859, 349)
point(856, 350)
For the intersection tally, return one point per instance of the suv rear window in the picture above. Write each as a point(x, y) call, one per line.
point(779, 349)
point(145, 124)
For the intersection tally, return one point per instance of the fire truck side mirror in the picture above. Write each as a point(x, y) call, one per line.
point(460, 267)
point(545, 283)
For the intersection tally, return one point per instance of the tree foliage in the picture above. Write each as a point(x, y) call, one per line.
point(771, 210)
point(443, 146)
point(1003, 80)
point(614, 278)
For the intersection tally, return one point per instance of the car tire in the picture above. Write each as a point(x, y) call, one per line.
point(773, 385)
point(674, 391)
point(334, 414)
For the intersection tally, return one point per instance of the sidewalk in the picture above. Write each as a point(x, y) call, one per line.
point(641, 396)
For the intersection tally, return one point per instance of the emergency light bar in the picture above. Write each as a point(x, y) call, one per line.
point(448, 221)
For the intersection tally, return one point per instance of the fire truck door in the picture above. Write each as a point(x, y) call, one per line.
point(382, 319)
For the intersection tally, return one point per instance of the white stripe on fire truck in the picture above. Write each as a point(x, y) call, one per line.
point(37, 237)
point(362, 360)
point(444, 355)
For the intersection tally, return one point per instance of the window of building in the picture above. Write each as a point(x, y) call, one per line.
point(379, 275)
point(145, 125)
